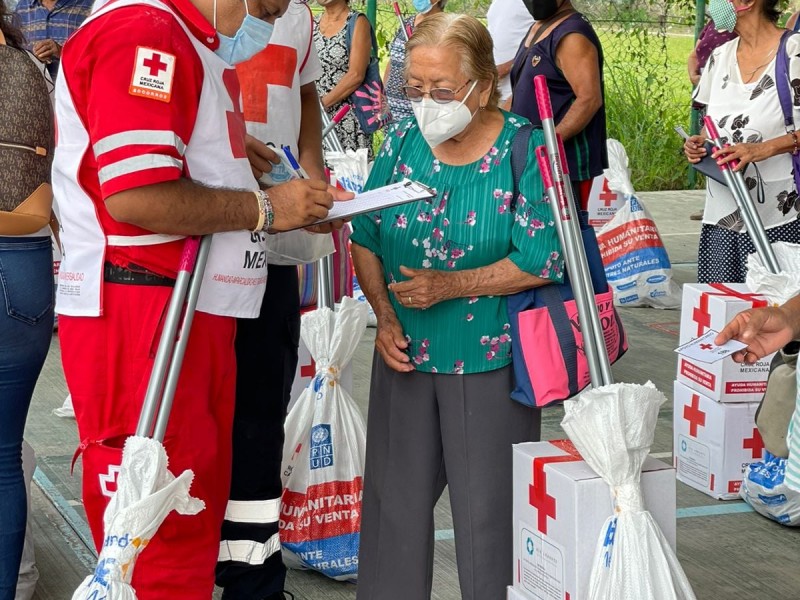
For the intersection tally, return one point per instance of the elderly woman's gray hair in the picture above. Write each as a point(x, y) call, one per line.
point(467, 36)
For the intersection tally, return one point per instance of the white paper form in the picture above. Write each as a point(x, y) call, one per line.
point(705, 350)
point(385, 197)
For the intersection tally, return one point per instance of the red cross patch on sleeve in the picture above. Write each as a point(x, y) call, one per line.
point(153, 72)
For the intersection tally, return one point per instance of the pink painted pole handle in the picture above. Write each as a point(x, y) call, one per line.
point(711, 127)
point(341, 113)
point(543, 97)
point(562, 156)
point(544, 167)
point(713, 134)
point(406, 28)
point(189, 254)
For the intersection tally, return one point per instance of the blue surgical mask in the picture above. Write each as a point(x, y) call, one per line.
point(423, 6)
point(251, 38)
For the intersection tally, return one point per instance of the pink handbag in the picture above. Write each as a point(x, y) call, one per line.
point(550, 344)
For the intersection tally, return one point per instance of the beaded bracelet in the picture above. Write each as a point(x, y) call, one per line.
point(794, 139)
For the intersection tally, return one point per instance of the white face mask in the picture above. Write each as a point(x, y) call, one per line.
point(439, 122)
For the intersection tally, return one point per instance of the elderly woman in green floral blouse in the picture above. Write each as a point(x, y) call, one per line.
point(437, 273)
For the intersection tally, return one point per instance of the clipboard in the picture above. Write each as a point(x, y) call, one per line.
point(707, 165)
point(394, 194)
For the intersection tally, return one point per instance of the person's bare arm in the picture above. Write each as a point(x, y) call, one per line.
point(426, 287)
point(183, 207)
point(386, 72)
point(792, 20)
point(694, 69)
point(577, 58)
point(504, 68)
point(390, 342)
point(309, 143)
point(360, 49)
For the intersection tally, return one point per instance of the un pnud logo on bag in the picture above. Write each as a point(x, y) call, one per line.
point(321, 452)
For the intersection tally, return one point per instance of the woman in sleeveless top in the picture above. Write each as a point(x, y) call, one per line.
point(343, 67)
point(562, 46)
point(393, 77)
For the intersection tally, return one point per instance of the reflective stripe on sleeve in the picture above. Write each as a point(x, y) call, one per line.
point(135, 164)
point(139, 137)
point(255, 511)
point(142, 240)
point(247, 551)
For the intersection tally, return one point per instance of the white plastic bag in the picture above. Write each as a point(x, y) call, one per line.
point(613, 427)
point(298, 247)
point(635, 259)
point(777, 287)
point(146, 493)
point(66, 410)
point(610, 190)
point(323, 455)
point(351, 168)
point(765, 490)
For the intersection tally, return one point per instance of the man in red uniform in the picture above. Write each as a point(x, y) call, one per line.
point(151, 149)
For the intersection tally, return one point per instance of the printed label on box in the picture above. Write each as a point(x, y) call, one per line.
point(697, 374)
point(694, 460)
point(542, 565)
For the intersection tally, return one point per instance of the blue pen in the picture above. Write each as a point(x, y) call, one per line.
point(301, 173)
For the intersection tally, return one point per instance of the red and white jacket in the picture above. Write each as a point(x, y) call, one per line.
point(142, 99)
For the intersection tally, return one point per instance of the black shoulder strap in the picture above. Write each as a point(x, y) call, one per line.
point(519, 156)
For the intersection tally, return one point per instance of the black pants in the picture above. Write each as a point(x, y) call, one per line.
point(266, 355)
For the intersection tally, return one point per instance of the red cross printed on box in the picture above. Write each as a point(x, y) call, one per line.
point(695, 416)
point(538, 497)
point(607, 196)
point(702, 317)
point(275, 65)
point(154, 64)
point(754, 444)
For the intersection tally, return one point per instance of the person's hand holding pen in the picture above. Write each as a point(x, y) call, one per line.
point(262, 158)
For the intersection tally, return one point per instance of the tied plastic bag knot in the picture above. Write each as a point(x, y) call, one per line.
point(628, 498)
point(330, 373)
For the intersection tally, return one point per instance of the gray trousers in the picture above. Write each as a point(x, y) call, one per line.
point(426, 431)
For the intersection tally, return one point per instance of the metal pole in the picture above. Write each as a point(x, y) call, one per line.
point(153, 396)
point(574, 252)
point(325, 296)
point(372, 13)
point(694, 115)
point(183, 340)
point(752, 220)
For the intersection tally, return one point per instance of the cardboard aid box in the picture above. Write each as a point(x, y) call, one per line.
point(712, 306)
point(560, 507)
point(714, 442)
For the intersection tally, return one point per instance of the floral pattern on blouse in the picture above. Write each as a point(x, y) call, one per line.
point(472, 222)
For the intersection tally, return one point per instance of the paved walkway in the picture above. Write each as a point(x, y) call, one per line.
point(727, 550)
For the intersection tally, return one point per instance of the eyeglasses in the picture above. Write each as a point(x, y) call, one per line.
point(438, 95)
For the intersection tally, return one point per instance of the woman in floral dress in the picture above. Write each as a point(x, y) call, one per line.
point(343, 68)
point(738, 90)
point(437, 273)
